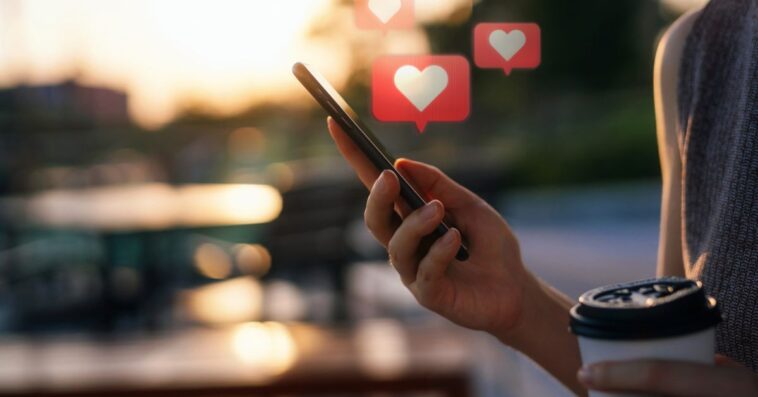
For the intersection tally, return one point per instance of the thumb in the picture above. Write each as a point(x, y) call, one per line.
point(432, 183)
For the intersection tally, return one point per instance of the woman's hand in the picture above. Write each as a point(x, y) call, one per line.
point(486, 292)
point(491, 291)
point(672, 378)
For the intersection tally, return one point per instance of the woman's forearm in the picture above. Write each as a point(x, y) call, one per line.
point(543, 334)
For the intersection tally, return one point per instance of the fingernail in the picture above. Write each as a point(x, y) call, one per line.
point(430, 210)
point(587, 374)
point(449, 237)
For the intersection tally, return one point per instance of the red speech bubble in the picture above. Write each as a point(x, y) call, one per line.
point(384, 14)
point(507, 46)
point(421, 89)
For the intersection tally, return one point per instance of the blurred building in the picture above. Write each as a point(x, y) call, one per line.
point(54, 124)
point(67, 103)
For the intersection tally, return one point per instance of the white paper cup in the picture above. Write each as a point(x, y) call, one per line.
point(666, 318)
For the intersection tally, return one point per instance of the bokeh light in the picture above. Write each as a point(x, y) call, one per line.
point(230, 301)
point(212, 261)
point(155, 206)
point(253, 259)
point(268, 346)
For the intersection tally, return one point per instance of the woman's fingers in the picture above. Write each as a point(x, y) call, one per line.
point(362, 166)
point(670, 378)
point(403, 238)
point(380, 216)
point(433, 266)
point(404, 245)
point(433, 183)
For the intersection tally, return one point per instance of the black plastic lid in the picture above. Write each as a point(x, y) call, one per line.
point(654, 308)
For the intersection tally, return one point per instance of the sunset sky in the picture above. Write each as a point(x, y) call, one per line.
point(223, 55)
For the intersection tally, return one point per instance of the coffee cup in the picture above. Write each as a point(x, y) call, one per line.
point(668, 318)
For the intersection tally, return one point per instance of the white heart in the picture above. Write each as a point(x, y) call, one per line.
point(507, 44)
point(384, 9)
point(421, 88)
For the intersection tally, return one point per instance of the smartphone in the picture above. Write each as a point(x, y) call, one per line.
point(364, 139)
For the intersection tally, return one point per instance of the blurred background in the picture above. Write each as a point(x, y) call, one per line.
point(175, 219)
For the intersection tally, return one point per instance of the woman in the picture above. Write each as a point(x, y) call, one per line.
point(710, 169)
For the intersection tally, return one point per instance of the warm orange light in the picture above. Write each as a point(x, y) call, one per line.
point(436, 11)
point(222, 56)
point(156, 206)
point(212, 261)
point(230, 204)
point(230, 301)
point(145, 206)
point(253, 259)
point(269, 347)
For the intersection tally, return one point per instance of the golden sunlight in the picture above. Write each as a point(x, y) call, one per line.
point(172, 55)
point(166, 54)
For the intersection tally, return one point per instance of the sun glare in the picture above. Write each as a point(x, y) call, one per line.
point(166, 54)
point(219, 55)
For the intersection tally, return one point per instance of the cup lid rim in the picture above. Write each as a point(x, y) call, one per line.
point(684, 311)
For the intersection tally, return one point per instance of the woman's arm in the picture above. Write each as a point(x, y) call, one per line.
point(665, 81)
point(543, 335)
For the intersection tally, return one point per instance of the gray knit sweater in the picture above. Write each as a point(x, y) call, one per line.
point(718, 104)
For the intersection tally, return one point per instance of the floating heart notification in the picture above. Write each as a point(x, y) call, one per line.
point(385, 9)
point(421, 89)
point(507, 46)
point(384, 14)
